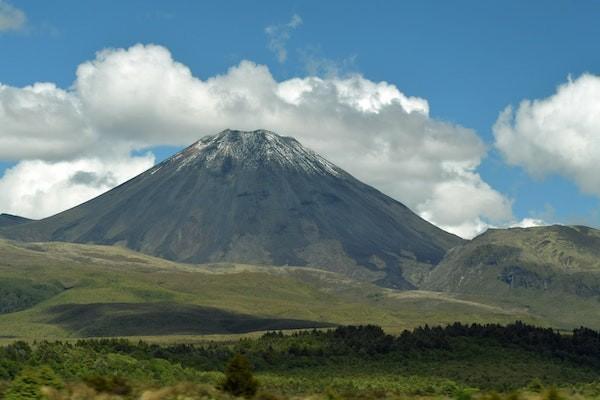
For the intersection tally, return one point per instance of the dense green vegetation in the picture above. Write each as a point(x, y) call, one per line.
point(19, 294)
point(460, 361)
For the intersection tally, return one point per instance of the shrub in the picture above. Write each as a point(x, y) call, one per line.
point(535, 385)
point(552, 394)
point(514, 395)
point(112, 385)
point(267, 396)
point(463, 395)
point(27, 385)
point(239, 379)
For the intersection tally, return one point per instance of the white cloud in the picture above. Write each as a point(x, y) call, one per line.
point(41, 121)
point(11, 18)
point(528, 223)
point(37, 188)
point(556, 135)
point(131, 99)
point(464, 204)
point(280, 34)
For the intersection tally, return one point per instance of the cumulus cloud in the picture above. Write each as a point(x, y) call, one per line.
point(279, 35)
point(559, 134)
point(38, 188)
point(136, 98)
point(11, 18)
point(41, 121)
point(464, 204)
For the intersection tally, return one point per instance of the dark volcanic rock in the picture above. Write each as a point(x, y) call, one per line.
point(254, 197)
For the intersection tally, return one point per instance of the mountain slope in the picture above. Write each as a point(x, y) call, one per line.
point(553, 269)
point(255, 197)
point(565, 258)
point(9, 220)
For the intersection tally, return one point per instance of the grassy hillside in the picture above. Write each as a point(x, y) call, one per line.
point(55, 290)
point(553, 271)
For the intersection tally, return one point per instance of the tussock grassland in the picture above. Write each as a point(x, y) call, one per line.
point(110, 283)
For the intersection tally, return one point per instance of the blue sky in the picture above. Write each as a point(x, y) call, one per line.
point(468, 59)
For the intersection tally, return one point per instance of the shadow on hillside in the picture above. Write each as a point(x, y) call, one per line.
point(154, 319)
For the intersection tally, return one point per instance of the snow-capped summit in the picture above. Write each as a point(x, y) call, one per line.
point(251, 149)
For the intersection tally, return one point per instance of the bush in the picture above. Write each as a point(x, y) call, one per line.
point(28, 384)
point(185, 391)
point(239, 379)
point(514, 395)
point(112, 385)
point(267, 396)
point(535, 385)
point(463, 395)
point(552, 394)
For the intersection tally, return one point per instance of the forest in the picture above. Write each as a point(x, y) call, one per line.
point(455, 361)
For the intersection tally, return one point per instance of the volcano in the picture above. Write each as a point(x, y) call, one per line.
point(255, 198)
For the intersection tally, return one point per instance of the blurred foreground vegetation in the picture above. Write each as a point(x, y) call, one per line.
point(457, 361)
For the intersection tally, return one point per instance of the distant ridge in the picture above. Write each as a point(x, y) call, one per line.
point(260, 198)
point(9, 220)
point(553, 259)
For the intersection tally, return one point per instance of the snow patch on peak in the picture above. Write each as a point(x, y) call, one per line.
point(250, 149)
